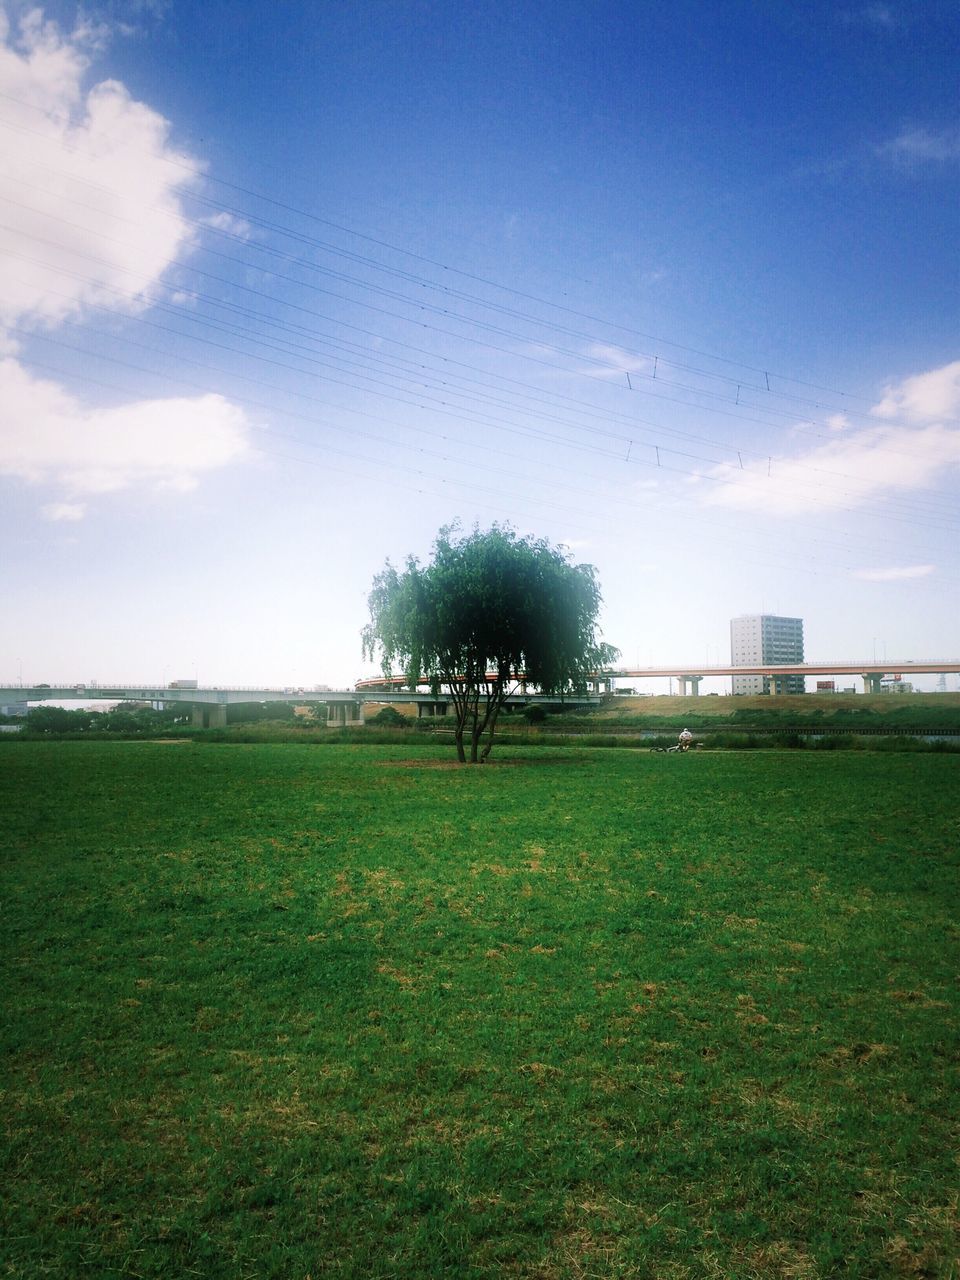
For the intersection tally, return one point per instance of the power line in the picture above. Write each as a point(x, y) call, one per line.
point(165, 158)
point(595, 361)
point(282, 302)
point(305, 396)
point(746, 549)
point(407, 301)
point(301, 284)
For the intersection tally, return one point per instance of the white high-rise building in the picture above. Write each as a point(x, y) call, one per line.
point(762, 638)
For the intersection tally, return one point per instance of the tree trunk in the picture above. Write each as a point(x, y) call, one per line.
point(491, 730)
point(461, 709)
point(475, 731)
point(496, 692)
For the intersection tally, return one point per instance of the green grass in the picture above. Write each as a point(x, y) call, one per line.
point(298, 1011)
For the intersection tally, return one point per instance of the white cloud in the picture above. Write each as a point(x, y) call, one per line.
point(861, 464)
point(90, 182)
point(92, 194)
point(895, 574)
point(871, 15)
point(918, 146)
point(927, 397)
point(47, 436)
point(614, 361)
point(63, 511)
point(229, 224)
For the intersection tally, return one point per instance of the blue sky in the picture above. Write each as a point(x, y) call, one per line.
point(288, 287)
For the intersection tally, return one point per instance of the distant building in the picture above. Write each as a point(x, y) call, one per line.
point(896, 684)
point(766, 639)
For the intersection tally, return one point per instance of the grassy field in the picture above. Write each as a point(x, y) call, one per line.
point(300, 1011)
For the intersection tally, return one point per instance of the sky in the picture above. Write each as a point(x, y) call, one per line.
point(285, 289)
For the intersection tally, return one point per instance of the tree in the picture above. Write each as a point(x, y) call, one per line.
point(490, 610)
point(46, 719)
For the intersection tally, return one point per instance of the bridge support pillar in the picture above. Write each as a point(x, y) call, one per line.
point(340, 714)
point(430, 709)
point(693, 681)
point(871, 682)
point(209, 715)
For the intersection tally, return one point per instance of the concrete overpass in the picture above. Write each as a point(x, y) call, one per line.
point(209, 703)
point(345, 706)
point(689, 675)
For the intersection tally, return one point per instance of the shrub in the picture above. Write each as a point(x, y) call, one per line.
point(389, 718)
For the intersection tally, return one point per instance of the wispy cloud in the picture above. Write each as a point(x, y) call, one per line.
point(608, 361)
point(883, 17)
point(861, 464)
point(918, 146)
point(229, 224)
point(914, 152)
point(895, 574)
point(63, 511)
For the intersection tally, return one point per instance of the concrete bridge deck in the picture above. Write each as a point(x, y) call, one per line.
point(345, 706)
point(209, 702)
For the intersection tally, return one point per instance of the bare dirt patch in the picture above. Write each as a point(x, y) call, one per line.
point(487, 764)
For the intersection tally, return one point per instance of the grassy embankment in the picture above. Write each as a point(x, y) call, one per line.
point(283, 1011)
point(809, 711)
point(844, 721)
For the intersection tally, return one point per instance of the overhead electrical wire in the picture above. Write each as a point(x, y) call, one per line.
point(246, 288)
point(191, 168)
point(796, 422)
point(444, 405)
point(593, 411)
point(659, 465)
point(767, 373)
point(730, 449)
point(745, 548)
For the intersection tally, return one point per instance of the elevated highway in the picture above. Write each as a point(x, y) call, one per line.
point(872, 673)
point(689, 674)
point(209, 703)
point(345, 706)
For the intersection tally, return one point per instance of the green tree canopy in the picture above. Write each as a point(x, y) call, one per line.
point(490, 609)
